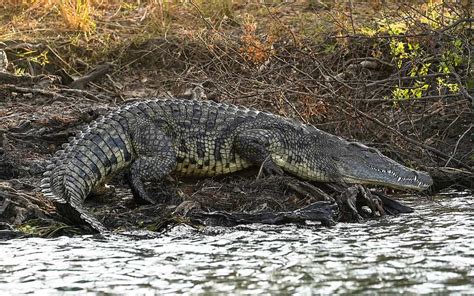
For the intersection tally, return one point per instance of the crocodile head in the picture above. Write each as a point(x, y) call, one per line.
point(350, 162)
point(365, 165)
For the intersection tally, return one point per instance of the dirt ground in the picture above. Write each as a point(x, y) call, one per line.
point(342, 81)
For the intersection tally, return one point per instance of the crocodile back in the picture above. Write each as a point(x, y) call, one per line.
point(203, 132)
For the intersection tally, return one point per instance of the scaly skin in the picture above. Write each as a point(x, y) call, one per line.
point(152, 139)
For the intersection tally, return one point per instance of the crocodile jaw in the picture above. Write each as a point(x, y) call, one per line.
point(400, 183)
point(384, 172)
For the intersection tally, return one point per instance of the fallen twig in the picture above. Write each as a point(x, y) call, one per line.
point(93, 75)
point(26, 90)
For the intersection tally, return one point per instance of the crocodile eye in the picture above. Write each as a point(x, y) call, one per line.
point(335, 158)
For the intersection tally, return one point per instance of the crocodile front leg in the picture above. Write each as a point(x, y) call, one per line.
point(254, 146)
point(156, 158)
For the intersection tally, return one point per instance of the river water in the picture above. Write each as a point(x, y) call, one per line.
point(429, 251)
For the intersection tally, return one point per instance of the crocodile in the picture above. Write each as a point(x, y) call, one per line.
point(150, 139)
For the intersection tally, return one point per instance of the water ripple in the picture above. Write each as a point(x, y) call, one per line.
point(429, 251)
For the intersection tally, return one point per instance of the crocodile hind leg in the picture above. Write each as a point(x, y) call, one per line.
point(156, 158)
point(148, 169)
point(254, 146)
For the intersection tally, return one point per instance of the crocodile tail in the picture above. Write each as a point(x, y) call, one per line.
point(85, 162)
point(67, 184)
point(55, 187)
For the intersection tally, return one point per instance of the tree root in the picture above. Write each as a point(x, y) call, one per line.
point(320, 211)
point(352, 204)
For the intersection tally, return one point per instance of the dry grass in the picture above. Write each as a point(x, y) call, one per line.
point(77, 15)
point(30, 19)
point(86, 20)
point(100, 27)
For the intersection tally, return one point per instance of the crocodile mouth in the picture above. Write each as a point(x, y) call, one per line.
point(417, 180)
